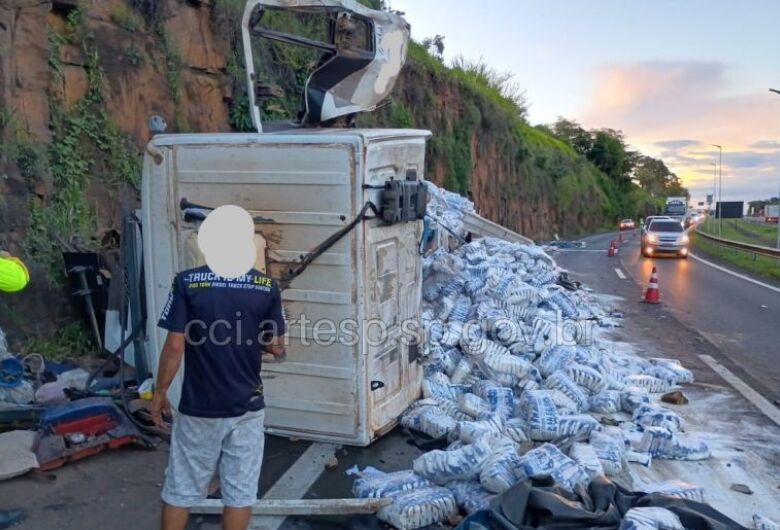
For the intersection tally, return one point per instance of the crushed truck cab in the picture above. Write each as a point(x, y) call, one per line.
point(302, 187)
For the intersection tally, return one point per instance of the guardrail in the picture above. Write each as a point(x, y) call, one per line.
point(747, 247)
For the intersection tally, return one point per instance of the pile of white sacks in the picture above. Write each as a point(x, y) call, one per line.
point(519, 386)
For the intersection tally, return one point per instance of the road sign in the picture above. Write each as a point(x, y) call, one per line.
point(709, 199)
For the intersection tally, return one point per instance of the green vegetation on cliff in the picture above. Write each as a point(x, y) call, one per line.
point(85, 143)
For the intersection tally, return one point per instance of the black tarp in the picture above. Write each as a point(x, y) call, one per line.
point(539, 503)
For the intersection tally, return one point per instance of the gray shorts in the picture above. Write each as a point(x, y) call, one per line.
point(201, 447)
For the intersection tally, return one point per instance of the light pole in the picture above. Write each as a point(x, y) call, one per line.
point(719, 205)
point(778, 195)
point(714, 181)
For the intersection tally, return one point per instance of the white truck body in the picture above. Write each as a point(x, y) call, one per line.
point(676, 208)
point(301, 187)
point(771, 213)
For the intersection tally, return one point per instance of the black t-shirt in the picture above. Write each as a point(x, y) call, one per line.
point(224, 322)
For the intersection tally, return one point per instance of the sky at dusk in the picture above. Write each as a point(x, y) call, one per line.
point(675, 77)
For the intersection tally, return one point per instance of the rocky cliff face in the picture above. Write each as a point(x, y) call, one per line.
point(80, 78)
point(78, 81)
point(516, 175)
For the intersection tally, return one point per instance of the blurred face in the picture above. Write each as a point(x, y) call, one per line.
point(226, 239)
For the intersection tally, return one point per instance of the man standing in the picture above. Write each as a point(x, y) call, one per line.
point(14, 276)
point(219, 325)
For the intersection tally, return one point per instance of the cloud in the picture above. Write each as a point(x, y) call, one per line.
point(661, 105)
point(649, 94)
point(751, 159)
point(765, 144)
point(677, 144)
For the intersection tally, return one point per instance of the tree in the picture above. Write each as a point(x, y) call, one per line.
point(435, 45)
point(610, 154)
point(651, 174)
point(657, 179)
point(675, 188)
point(573, 134)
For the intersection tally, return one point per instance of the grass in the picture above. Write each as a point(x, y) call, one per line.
point(761, 265)
point(70, 341)
point(173, 67)
point(123, 16)
point(754, 233)
point(540, 138)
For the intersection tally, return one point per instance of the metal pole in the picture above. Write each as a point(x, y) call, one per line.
point(778, 195)
point(719, 205)
point(778, 219)
point(720, 191)
point(714, 181)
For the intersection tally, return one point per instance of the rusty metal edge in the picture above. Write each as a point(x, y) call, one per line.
point(301, 506)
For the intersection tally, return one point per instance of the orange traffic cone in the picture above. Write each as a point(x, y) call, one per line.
point(653, 294)
point(612, 249)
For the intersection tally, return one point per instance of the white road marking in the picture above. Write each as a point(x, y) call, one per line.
point(743, 388)
point(620, 274)
point(295, 482)
point(580, 250)
point(735, 274)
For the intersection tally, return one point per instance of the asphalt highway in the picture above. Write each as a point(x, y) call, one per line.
point(740, 318)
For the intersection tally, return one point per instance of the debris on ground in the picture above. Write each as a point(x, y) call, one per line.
point(568, 283)
point(603, 504)
point(561, 244)
point(675, 398)
point(17, 453)
point(518, 382)
point(11, 518)
point(61, 412)
point(741, 488)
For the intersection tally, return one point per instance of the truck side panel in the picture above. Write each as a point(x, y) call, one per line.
point(299, 195)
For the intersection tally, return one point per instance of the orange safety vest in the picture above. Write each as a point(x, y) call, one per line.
point(14, 276)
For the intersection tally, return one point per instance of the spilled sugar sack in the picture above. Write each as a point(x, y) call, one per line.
point(517, 378)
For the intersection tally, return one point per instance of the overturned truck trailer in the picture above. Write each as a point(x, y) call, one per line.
point(301, 188)
point(337, 221)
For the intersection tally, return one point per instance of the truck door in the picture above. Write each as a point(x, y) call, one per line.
point(393, 309)
point(393, 305)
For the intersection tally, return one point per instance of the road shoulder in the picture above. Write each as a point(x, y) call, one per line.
point(745, 442)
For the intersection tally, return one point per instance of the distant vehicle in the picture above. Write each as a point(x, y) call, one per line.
point(627, 224)
point(665, 236)
point(677, 208)
point(652, 218)
point(771, 213)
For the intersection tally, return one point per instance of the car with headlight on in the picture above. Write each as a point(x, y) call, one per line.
point(664, 237)
point(627, 224)
point(649, 219)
